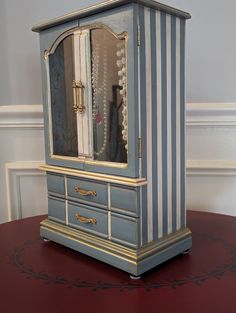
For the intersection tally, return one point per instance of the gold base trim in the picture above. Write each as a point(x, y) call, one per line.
point(131, 255)
point(134, 182)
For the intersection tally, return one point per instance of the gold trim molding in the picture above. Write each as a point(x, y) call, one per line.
point(131, 255)
point(133, 182)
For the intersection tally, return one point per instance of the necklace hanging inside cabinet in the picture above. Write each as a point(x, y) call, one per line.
point(100, 91)
point(121, 63)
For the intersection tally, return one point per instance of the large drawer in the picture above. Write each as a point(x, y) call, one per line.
point(125, 200)
point(88, 218)
point(56, 183)
point(87, 191)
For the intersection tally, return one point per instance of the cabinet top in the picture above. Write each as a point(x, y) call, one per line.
point(104, 6)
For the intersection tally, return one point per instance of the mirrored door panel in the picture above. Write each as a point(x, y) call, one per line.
point(63, 120)
point(109, 103)
point(87, 70)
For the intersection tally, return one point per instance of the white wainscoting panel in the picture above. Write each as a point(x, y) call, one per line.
point(210, 153)
point(26, 189)
point(211, 186)
point(211, 131)
point(22, 149)
point(211, 157)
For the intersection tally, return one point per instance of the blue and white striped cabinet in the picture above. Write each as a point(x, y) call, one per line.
point(113, 78)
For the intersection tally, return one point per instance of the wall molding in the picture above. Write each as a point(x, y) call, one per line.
point(197, 114)
point(211, 167)
point(13, 171)
point(21, 116)
point(211, 114)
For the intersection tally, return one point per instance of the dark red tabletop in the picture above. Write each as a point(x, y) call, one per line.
point(46, 277)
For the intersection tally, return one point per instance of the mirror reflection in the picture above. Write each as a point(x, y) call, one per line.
point(88, 95)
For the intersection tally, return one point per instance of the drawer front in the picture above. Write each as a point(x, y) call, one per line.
point(85, 218)
point(125, 199)
point(56, 183)
point(56, 209)
point(88, 191)
point(125, 229)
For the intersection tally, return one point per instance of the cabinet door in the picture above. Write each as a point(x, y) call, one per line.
point(82, 91)
point(90, 71)
point(69, 76)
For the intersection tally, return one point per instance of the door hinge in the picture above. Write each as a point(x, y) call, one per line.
point(139, 36)
point(140, 148)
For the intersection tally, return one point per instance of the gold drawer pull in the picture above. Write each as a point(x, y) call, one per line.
point(84, 192)
point(85, 220)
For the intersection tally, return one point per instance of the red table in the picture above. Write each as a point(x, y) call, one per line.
point(46, 277)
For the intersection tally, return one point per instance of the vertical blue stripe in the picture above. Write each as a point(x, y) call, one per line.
point(164, 122)
point(182, 117)
point(143, 116)
point(144, 215)
point(154, 121)
point(173, 117)
point(134, 158)
point(143, 92)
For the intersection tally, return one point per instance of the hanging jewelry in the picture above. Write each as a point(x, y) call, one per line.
point(95, 78)
point(98, 91)
point(121, 63)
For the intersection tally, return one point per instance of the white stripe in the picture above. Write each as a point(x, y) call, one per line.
point(109, 210)
point(86, 80)
point(149, 123)
point(184, 125)
point(51, 146)
point(140, 136)
point(84, 63)
point(159, 125)
point(178, 152)
point(169, 141)
point(139, 110)
point(66, 202)
point(82, 73)
point(77, 66)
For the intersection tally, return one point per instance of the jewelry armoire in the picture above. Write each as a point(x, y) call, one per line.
point(113, 78)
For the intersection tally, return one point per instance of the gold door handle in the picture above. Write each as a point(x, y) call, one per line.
point(78, 96)
point(85, 220)
point(84, 192)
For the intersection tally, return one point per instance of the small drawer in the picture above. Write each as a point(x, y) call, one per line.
point(56, 183)
point(88, 219)
point(56, 209)
point(125, 199)
point(124, 229)
point(87, 191)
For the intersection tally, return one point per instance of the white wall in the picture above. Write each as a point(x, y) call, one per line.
point(210, 86)
point(211, 50)
point(210, 53)
point(19, 62)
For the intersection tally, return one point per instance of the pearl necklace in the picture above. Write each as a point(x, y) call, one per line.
point(121, 63)
point(97, 91)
